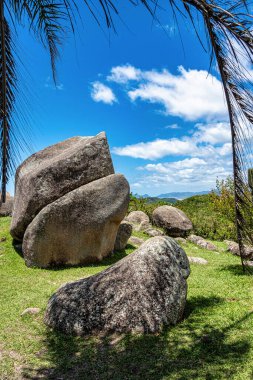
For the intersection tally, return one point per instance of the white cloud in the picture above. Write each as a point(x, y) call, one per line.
point(191, 95)
point(192, 174)
point(196, 160)
point(172, 126)
point(205, 140)
point(213, 133)
point(102, 93)
point(123, 74)
point(157, 149)
point(188, 163)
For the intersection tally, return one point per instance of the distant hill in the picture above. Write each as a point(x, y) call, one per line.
point(182, 195)
point(157, 199)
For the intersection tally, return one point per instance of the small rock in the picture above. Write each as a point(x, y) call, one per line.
point(144, 226)
point(201, 242)
point(197, 260)
point(7, 207)
point(181, 240)
point(137, 217)
point(153, 232)
point(194, 238)
point(31, 310)
point(135, 241)
point(123, 235)
point(233, 247)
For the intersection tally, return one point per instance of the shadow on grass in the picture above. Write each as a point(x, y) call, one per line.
point(17, 245)
point(191, 349)
point(237, 270)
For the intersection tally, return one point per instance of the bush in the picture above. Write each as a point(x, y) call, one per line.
point(144, 204)
point(207, 220)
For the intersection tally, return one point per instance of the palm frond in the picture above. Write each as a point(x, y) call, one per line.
point(48, 20)
point(8, 81)
point(230, 33)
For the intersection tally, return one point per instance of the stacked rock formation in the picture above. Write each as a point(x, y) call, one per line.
point(69, 203)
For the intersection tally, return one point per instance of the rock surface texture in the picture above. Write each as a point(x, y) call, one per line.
point(123, 234)
point(80, 227)
point(140, 293)
point(172, 220)
point(55, 171)
point(69, 203)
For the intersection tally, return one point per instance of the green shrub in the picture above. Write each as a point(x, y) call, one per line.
point(144, 204)
point(207, 220)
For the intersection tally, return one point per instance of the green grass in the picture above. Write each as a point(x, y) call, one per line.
point(214, 341)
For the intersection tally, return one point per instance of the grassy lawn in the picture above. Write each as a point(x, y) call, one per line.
point(214, 341)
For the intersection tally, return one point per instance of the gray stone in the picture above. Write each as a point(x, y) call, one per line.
point(135, 241)
point(194, 238)
point(54, 172)
point(201, 242)
point(181, 240)
point(137, 217)
point(140, 293)
point(143, 226)
point(80, 227)
point(7, 207)
point(233, 247)
point(197, 260)
point(172, 220)
point(153, 232)
point(123, 235)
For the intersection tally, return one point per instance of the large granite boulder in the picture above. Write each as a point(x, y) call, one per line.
point(54, 172)
point(123, 234)
point(140, 293)
point(172, 220)
point(79, 227)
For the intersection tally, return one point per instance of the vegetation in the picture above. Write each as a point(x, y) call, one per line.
point(213, 215)
point(208, 221)
point(147, 205)
point(214, 341)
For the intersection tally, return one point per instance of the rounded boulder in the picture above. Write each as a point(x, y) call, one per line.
point(172, 220)
point(140, 293)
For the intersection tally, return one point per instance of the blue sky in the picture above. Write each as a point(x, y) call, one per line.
point(164, 116)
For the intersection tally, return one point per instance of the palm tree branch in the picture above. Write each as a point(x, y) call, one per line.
point(8, 82)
